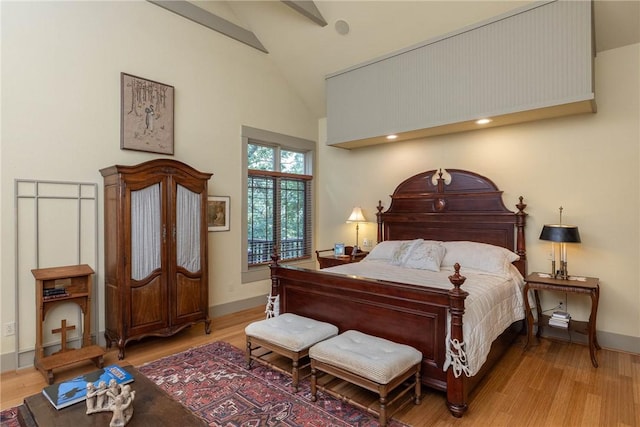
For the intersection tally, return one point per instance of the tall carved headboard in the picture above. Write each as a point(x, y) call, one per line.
point(452, 205)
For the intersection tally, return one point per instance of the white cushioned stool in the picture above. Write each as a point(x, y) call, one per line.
point(376, 364)
point(288, 335)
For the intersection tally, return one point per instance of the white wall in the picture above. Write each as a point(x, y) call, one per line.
point(588, 164)
point(61, 65)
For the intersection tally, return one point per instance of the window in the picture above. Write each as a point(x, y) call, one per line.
point(278, 199)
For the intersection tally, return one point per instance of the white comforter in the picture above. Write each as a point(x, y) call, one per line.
point(494, 302)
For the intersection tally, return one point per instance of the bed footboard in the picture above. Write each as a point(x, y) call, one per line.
point(403, 313)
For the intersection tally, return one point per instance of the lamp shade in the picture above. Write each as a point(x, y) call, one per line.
point(356, 216)
point(560, 233)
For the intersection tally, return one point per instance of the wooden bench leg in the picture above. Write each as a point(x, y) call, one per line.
point(99, 361)
point(295, 373)
point(247, 356)
point(383, 406)
point(314, 389)
point(418, 389)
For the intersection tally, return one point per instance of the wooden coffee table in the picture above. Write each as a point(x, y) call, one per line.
point(152, 407)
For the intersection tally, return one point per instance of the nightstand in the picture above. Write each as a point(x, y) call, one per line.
point(577, 285)
point(326, 258)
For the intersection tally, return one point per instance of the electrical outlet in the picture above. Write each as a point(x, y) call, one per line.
point(9, 329)
point(550, 256)
point(561, 305)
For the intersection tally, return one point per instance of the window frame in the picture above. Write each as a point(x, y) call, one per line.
point(251, 273)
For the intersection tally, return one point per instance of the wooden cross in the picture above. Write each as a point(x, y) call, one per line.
point(63, 331)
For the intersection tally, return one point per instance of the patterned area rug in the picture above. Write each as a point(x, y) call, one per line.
point(212, 381)
point(9, 418)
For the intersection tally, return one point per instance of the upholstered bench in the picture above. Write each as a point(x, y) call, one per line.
point(288, 335)
point(376, 364)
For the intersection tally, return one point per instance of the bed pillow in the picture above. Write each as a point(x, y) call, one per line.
point(427, 255)
point(403, 252)
point(384, 250)
point(479, 256)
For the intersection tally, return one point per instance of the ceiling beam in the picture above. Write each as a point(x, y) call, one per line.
point(307, 8)
point(209, 20)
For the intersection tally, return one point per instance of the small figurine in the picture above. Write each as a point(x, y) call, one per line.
point(101, 396)
point(118, 416)
point(112, 392)
point(128, 395)
point(91, 398)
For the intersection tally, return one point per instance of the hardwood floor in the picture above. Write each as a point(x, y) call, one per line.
point(551, 384)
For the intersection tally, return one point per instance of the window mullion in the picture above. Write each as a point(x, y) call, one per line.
point(277, 209)
point(276, 160)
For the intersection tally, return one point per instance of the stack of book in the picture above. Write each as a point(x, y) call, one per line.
point(560, 319)
point(53, 293)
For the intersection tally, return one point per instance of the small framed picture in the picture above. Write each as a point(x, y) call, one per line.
point(338, 249)
point(218, 213)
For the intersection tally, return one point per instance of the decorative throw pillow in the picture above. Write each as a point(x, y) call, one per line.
point(425, 256)
point(404, 251)
point(479, 256)
point(384, 250)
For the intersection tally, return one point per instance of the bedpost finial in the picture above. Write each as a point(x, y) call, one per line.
point(521, 206)
point(274, 255)
point(456, 279)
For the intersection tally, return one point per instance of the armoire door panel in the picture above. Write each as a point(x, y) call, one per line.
point(188, 296)
point(188, 229)
point(148, 305)
point(147, 229)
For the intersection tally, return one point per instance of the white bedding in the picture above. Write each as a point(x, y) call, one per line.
point(494, 301)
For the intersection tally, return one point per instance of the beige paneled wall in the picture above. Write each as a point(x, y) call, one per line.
point(588, 164)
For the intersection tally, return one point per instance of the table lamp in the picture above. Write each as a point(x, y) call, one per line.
point(357, 217)
point(563, 234)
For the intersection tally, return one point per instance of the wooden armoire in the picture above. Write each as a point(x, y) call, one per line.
point(156, 258)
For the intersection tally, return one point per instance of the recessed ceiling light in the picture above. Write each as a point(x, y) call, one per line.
point(483, 121)
point(391, 137)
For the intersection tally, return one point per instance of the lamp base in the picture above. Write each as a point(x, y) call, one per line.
point(562, 273)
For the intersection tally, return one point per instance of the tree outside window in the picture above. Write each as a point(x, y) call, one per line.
point(279, 203)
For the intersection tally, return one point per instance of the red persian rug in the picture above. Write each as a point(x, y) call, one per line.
point(9, 418)
point(212, 381)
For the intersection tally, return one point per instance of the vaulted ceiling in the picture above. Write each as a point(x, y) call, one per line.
point(306, 51)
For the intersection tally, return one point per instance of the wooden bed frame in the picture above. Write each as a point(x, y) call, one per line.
point(450, 206)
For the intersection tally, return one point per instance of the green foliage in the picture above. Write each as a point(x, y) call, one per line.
point(270, 198)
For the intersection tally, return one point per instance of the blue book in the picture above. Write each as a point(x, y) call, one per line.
point(66, 393)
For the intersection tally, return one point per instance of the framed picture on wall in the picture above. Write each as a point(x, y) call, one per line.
point(218, 213)
point(146, 110)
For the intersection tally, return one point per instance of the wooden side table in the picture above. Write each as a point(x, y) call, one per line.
point(588, 286)
point(326, 258)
